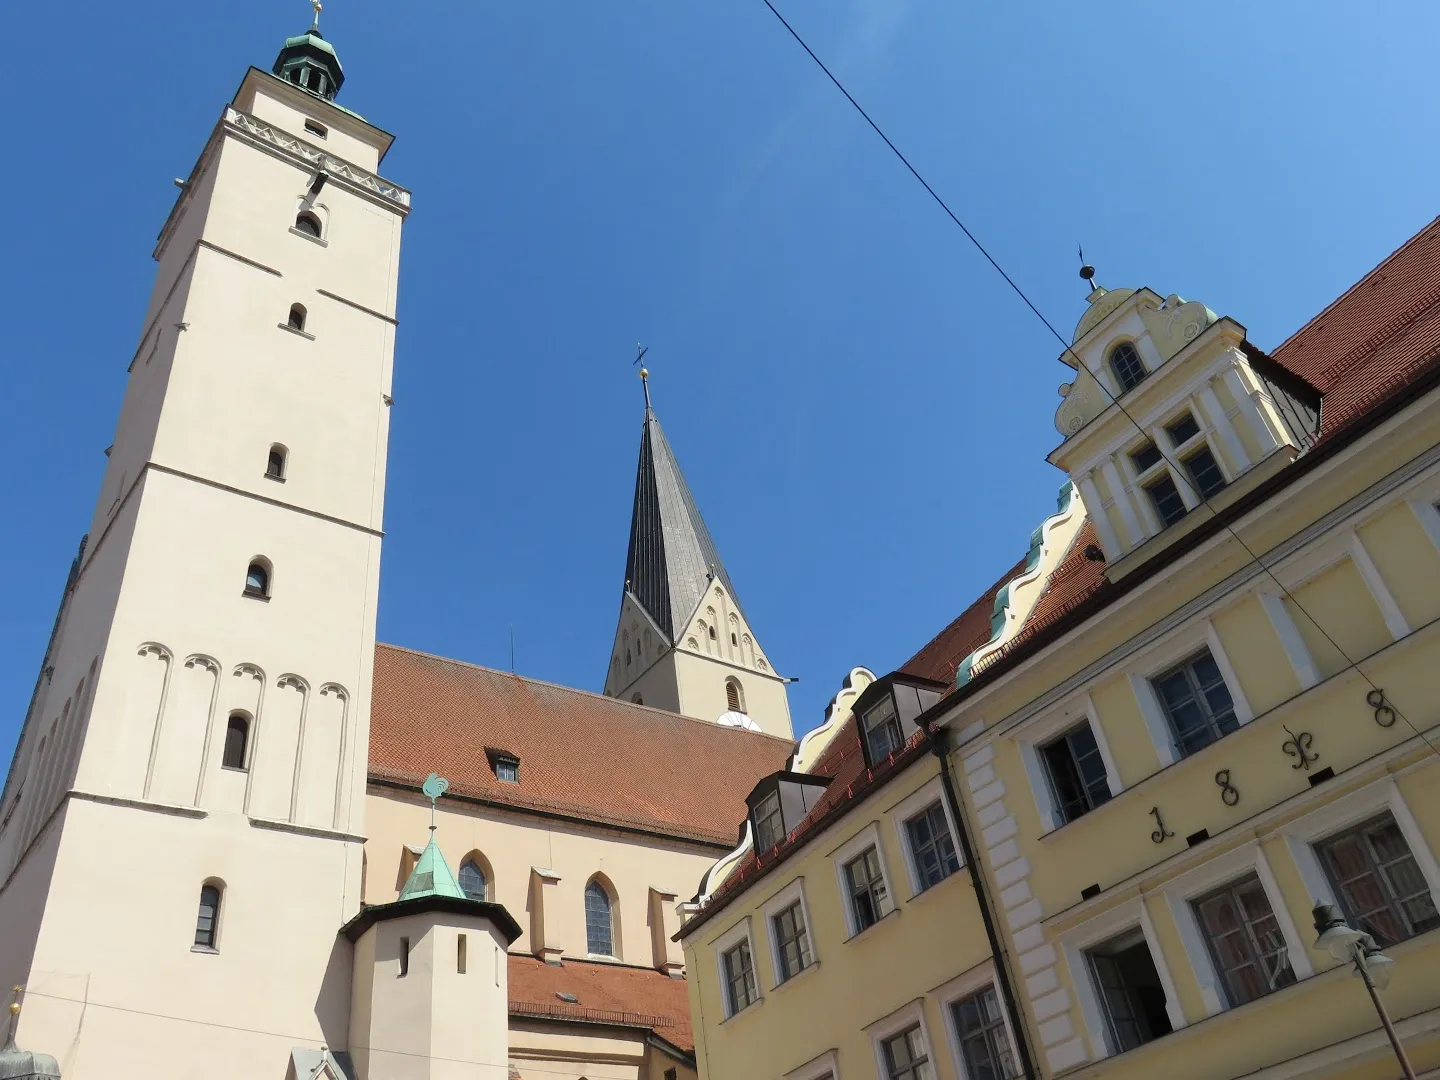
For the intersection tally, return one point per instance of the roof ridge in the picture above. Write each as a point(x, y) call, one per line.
point(574, 690)
point(1355, 286)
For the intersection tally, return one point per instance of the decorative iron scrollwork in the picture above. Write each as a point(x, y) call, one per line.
point(1161, 832)
point(1298, 746)
point(1229, 793)
point(1384, 713)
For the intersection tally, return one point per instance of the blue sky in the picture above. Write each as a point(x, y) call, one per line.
point(861, 407)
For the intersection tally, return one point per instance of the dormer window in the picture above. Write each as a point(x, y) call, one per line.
point(882, 731)
point(1204, 472)
point(1145, 457)
point(505, 764)
point(1126, 366)
point(1182, 430)
point(779, 803)
point(1165, 498)
point(769, 824)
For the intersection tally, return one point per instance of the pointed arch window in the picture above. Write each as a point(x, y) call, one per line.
point(207, 919)
point(1126, 366)
point(473, 880)
point(734, 696)
point(599, 920)
point(237, 739)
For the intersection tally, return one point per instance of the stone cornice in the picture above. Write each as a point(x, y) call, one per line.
point(359, 180)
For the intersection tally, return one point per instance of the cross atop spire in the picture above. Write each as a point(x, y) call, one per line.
point(319, 7)
point(641, 350)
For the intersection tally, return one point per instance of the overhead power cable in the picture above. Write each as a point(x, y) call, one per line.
point(1079, 365)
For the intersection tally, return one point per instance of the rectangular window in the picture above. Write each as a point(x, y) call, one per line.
point(1165, 497)
point(740, 991)
point(404, 956)
point(1244, 940)
point(1205, 472)
point(769, 825)
point(1182, 430)
point(1379, 884)
point(1131, 995)
point(931, 846)
point(905, 1056)
point(1197, 702)
point(1077, 772)
point(460, 954)
point(507, 769)
point(792, 943)
point(882, 731)
point(869, 898)
point(984, 1042)
point(1144, 457)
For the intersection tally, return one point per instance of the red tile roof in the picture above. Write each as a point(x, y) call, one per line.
point(582, 755)
point(605, 994)
point(971, 629)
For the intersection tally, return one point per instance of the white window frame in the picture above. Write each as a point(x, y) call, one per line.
point(915, 803)
point(1228, 868)
point(741, 931)
point(1040, 733)
point(1178, 647)
point(827, 1064)
point(1303, 834)
point(847, 852)
point(792, 893)
point(972, 982)
point(887, 1027)
point(1094, 932)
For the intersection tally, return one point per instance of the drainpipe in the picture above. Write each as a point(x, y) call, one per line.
point(940, 747)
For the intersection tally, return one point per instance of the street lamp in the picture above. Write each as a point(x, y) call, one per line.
point(1351, 946)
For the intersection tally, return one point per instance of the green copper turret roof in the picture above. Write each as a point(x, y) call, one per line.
point(313, 38)
point(431, 876)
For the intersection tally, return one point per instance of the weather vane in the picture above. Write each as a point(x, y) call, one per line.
point(1087, 272)
point(640, 351)
point(433, 788)
point(319, 7)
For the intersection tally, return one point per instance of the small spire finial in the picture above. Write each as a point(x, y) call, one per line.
point(640, 351)
point(434, 786)
point(319, 7)
point(16, 990)
point(1087, 272)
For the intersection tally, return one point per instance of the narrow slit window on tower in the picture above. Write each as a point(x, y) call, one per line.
point(275, 463)
point(460, 954)
point(237, 737)
point(257, 581)
point(207, 919)
point(316, 128)
point(297, 317)
point(404, 957)
point(307, 223)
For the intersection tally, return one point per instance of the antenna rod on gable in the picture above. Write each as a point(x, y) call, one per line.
point(512, 648)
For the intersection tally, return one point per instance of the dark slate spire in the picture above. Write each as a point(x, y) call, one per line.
point(671, 557)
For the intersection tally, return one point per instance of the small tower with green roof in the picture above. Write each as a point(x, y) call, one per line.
point(310, 62)
point(431, 975)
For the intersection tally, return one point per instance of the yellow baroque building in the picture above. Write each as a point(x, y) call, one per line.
point(1202, 707)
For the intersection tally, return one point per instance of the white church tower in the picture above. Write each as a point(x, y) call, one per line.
point(684, 643)
point(181, 828)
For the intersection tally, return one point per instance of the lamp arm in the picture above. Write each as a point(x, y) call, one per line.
point(1359, 957)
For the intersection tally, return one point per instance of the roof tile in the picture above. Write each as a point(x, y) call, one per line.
point(605, 994)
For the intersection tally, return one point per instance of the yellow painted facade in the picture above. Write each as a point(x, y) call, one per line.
point(833, 1013)
point(1239, 722)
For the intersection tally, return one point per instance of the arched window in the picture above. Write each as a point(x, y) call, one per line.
point(638, 700)
point(734, 696)
point(307, 223)
point(275, 463)
point(297, 317)
point(237, 737)
point(257, 579)
point(1126, 365)
point(473, 880)
point(207, 920)
point(599, 921)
